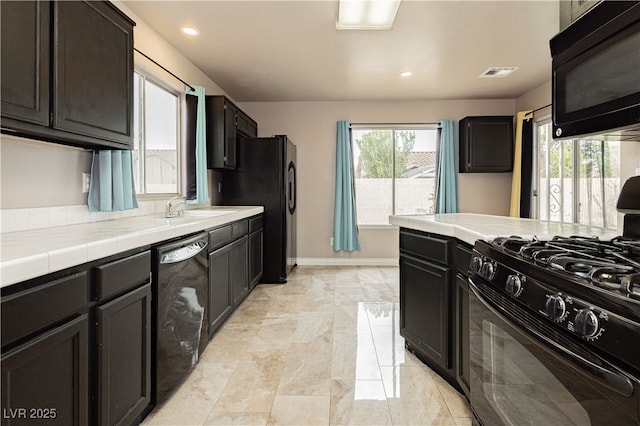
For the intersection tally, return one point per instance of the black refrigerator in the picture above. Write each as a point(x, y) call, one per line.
point(265, 175)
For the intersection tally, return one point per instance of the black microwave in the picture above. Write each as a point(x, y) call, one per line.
point(596, 74)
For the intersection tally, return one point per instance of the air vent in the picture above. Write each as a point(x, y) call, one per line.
point(495, 72)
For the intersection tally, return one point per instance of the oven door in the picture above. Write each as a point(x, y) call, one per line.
point(524, 372)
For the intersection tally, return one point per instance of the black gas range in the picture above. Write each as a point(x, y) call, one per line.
point(554, 327)
point(588, 287)
point(555, 324)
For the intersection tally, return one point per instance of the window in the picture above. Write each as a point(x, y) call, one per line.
point(394, 172)
point(579, 180)
point(156, 114)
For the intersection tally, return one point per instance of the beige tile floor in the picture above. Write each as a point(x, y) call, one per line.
point(323, 349)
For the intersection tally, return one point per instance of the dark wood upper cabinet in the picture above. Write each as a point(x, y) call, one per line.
point(93, 63)
point(25, 61)
point(246, 126)
point(230, 123)
point(71, 81)
point(226, 123)
point(486, 144)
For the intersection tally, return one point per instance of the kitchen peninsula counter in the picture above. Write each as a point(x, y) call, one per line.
point(469, 227)
point(33, 253)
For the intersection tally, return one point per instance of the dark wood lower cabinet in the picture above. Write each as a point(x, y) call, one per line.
point(255, 258)
point(424, 308)
point(77, 344)
point(220, 291)
point(463, 366)
point(429, 306)
point(45, 381)
point(239, 270)
point(124, 357)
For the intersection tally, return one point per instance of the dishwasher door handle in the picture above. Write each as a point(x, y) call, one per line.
point(183, 253)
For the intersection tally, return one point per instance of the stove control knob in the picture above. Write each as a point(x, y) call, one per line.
point(488, 270)
point(476, 264)
point(586, 323)
point(513, 286)
point(555, 307)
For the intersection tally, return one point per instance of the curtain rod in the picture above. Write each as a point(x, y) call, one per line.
point(172, 74)
point(536, 110)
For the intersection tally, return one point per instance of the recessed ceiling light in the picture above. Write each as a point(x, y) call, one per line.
point(494, 72)
point(190, 31)
point(406, 74)
point(367, 14)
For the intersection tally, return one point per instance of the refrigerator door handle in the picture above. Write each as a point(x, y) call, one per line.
point(292, 188)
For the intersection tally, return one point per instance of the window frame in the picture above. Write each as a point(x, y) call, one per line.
point(575, 178)
point(393, 127)
point(153, 77)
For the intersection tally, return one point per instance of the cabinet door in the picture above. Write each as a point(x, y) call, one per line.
point(124, 357)
point(230, 122)
point(486, 144)
point(255, 258)
point(424, 311)
point(246, 126)
point(462, 334)
point(24, 40)
point(220, 298)
point(46, 379)
point(93, 79)
point(239, 270)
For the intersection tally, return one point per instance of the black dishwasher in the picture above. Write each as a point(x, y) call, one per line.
point(180, 301)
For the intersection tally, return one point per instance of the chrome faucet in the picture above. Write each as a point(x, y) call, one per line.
point(171, 209)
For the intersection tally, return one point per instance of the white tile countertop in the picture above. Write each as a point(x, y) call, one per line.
point(32, 253)
point(469, 227)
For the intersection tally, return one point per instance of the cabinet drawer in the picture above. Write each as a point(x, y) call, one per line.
point(255, 223)
point(121, 275)
point(425, 246)
point(219, 237)
point(240, 228)
point(227, 234)
point(36, 309)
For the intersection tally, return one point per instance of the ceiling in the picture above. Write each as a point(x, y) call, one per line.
point(291, 51)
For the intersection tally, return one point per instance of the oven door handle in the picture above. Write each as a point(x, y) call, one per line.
point(614, 380)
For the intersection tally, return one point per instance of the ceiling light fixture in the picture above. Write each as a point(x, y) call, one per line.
point(190, 31)
point(367, 14)
point(494, 72)
point(406, 74)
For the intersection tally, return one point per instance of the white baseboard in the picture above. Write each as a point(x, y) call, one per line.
point(354, 261)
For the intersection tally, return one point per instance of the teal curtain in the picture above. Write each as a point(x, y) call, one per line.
point(345, 227)
point(111, 188)
point(202, 184)
point(447, 174)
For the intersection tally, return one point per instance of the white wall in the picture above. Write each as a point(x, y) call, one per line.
point(312, 127)
point(536, 98)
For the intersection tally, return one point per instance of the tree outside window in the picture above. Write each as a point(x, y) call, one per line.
point(578, 181)
point(394, 172)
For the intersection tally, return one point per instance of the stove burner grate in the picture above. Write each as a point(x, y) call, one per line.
point(612, 265)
